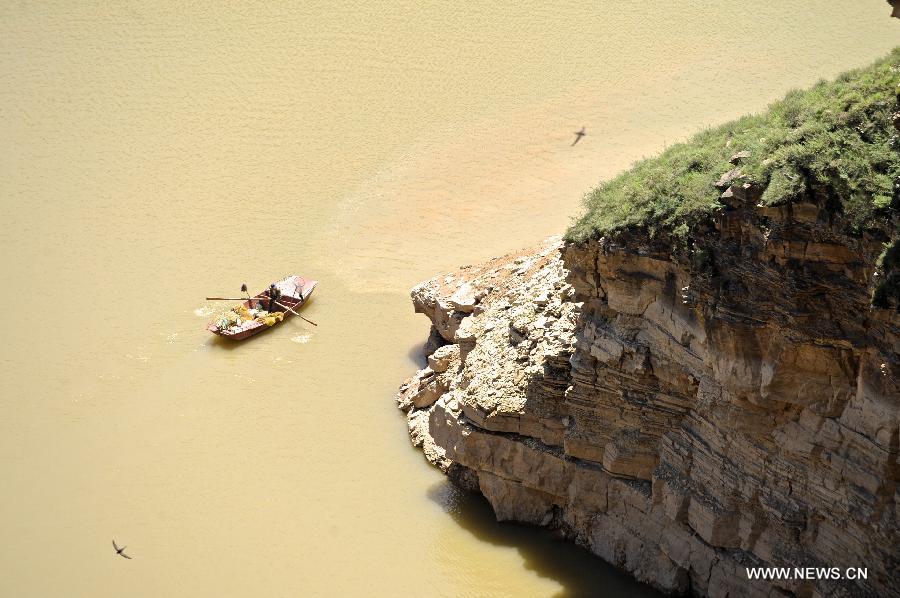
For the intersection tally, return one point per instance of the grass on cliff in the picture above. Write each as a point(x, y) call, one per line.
point(887, 291)
point(839, 134)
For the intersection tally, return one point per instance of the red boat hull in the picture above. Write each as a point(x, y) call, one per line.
point(295, 291)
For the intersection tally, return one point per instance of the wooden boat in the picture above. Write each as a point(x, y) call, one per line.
point(295, 291)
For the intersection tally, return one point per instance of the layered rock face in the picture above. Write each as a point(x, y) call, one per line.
point(684, 414)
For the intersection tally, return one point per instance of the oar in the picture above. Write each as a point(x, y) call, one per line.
point(243, 290)
point(295, 313)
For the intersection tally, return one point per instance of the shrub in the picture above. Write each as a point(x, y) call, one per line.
point(837, 136)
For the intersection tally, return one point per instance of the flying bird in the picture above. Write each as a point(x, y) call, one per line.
point(119, 551)
point(578, 136)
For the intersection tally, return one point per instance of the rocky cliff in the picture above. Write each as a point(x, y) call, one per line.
point(679, 425)
point(684, 409)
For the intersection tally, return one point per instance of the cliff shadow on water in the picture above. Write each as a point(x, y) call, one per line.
point(544, 552)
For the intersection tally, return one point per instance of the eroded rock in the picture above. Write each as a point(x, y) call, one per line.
point(681, 418)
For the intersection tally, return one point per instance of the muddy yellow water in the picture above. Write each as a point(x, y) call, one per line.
point(155, 153)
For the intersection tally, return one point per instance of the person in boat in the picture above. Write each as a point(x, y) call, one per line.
point(274, 295)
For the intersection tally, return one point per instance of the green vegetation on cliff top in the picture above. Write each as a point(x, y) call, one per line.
point(838, 134)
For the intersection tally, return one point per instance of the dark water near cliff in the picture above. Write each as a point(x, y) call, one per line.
point(547, 555)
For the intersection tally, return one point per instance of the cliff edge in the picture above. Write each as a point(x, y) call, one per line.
point(689, 393)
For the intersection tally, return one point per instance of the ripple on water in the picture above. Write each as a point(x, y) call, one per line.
point(301, 338)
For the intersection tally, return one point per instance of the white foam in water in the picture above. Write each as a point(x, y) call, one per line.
point(203, 311)
point(301, 338)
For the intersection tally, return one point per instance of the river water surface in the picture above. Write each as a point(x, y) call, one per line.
point(156, 153)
